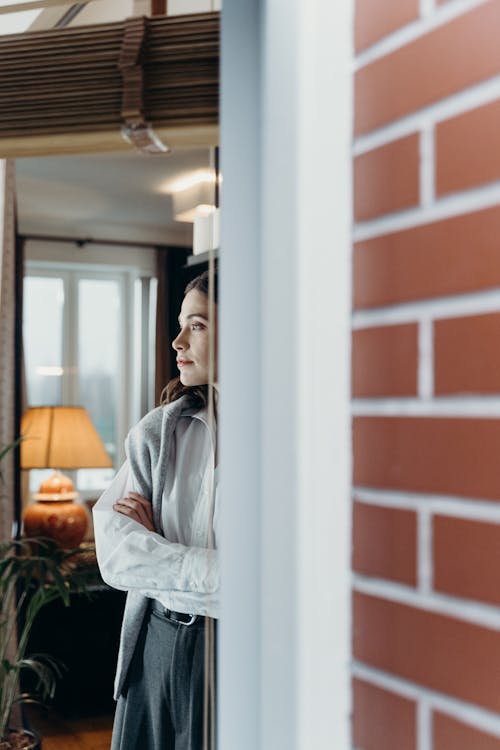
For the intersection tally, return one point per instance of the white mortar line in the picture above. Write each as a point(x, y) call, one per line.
point(465, 202)
point(424, 724)
point(467, 713)
point(426, 8)
point(481, 407)
point(478, 95)
point(425, 381)
point(387, 681)
point(466, 610)
point(414, 30)
point(424, 550)
point(427, 174)
point(450, 306)
point(445, 505)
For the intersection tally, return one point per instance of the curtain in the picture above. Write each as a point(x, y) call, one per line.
point(8, 277)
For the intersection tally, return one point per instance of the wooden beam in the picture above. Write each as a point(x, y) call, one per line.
point(61, 91)
point(188, 136)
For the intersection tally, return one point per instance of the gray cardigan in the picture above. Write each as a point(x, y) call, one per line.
point(148, 446)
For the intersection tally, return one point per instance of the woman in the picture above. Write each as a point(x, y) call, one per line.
point(155, 531)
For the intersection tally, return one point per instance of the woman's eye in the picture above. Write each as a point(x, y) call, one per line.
point(197, 326)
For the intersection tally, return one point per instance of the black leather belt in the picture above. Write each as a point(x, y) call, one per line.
point(180, 617)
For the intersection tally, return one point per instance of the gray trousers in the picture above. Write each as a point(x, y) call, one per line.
point(161, 707)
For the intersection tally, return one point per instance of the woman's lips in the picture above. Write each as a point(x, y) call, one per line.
point(183, 362)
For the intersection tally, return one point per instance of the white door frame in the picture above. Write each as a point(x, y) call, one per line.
point(284, 373)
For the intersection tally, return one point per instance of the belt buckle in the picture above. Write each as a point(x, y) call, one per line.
point(183, 622)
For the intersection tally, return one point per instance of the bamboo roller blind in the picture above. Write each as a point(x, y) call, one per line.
point(93, 78)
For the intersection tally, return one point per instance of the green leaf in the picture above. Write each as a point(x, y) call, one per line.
point(33, 572)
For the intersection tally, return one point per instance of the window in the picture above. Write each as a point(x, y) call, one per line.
point(98, 354)
point(85, 331)
point(43, 312)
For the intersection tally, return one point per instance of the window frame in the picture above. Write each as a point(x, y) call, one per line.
point(131, 395)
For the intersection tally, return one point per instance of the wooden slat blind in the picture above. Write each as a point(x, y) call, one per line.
point(69, 80)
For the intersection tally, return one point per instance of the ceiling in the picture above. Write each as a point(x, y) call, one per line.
point(131, 197)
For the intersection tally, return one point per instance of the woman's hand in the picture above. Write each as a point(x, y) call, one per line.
point(137, 508)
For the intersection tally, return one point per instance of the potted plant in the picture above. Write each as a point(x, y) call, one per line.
point(33, 572)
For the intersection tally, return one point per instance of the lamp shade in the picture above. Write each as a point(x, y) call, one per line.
point(61, 437)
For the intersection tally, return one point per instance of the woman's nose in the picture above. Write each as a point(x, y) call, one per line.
point(179, 343)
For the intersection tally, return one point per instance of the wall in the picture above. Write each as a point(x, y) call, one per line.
point(98, 11)
point(426, 376)
point(104, 12)
point(107, 11)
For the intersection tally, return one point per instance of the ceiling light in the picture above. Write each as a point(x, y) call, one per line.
point(187, 181)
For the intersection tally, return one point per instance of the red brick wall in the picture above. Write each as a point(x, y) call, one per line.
point(426, 376)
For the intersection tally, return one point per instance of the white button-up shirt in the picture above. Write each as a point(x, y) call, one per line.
point(179, 566)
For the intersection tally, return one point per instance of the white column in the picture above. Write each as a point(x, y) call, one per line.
point(240, 380)
point(285, 375)
point(324, 104)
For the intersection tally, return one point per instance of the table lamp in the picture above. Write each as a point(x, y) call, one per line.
point(59, 437)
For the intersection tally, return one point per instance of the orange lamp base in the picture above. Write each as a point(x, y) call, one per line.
point(64, 521)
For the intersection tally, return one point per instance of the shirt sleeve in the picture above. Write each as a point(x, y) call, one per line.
point(132, 557)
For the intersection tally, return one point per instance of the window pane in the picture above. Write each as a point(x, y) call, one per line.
point(98, 357)
point(42, 332)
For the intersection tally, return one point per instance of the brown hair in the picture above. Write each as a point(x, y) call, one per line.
point(198, 394)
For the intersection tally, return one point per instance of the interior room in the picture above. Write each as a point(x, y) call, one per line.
point(358, 352)
point(96, 232)
point(107, 233)
point(110, 218)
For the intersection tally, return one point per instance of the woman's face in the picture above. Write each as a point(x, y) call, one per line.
point(192, 342)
